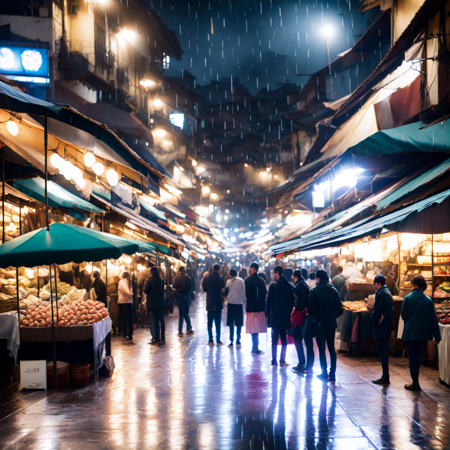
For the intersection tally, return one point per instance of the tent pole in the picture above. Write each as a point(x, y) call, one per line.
point(20, 217)
point(56, 292)
point(53, 325)
point(46, 170)
point(3, 194)
point(18, 292)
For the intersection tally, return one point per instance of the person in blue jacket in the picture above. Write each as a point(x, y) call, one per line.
point(421, 325)
point(382, 319)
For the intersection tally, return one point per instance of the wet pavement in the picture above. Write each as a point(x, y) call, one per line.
point(187, 395)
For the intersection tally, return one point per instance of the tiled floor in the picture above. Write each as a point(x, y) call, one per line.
point(187, 395)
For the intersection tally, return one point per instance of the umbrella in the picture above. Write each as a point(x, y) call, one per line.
point(63, 243)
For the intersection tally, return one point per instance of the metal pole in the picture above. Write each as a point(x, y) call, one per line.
point(46, 171)
point(20, 217)
point(3, 195)
point(53, 325)
point(18, 292)
point(56, 293)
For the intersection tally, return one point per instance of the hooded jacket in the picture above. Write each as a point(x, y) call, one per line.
point(280, 302)
point(255, 291)
point(383, 306)
point(324, 302)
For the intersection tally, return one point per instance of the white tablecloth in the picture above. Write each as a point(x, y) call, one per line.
point(9, 330)
point(101, 330)
point(443, 352)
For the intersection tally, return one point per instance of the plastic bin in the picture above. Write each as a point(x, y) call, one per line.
point(62, 374)
point(79, 374)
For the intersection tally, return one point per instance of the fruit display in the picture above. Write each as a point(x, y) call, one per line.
point(357, 306)
point(443, 312)
point(443, 290)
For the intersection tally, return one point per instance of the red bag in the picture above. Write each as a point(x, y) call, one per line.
point(298, 318)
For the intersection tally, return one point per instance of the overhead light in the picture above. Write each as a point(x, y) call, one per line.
point(245, 165)
point(167, 143)
point(12, 127)
point(268, 169)
point(214, 196)
point(328, 31)
point(160, 132)
point(131, 225)
point(98, 169)
point(275, 176)
point(56, 160)
point(263, 174)
point(172, 189)
point(206, 190)
point(286, 212)
point(77, 174)
point(228, 191)
point(81, 183)
point(157, 103)
point(112, 176)
point(67, 169)
point(200, 169)
point(194, 163)
point(225, 217)
point(89, 159)
point(211, 208)
point(129, 35)
point(227, 211)
point(147, 83)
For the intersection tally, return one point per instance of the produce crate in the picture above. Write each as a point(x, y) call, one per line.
point(62, 334)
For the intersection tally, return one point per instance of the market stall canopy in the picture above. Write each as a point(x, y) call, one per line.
point(57, 196)
point(62, 244)
point(152, 210)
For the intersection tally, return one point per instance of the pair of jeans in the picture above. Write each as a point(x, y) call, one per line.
point(415, 351)
point(216, 317)
point(328, 340)
point(126, 320)
point(183, 311)
point(157, 325)
point(238, 329)
point(382, 349)
point(282, 334)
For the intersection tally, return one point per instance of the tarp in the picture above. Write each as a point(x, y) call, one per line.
point(57, 196)
point(152, 210)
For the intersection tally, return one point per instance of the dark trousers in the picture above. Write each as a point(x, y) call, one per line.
point(238, 333)
point(415, 351)
point(382, 349)
point(183, 311)
point(255, 342)
point(282, 333)
point(216, 317)
point(328, 340)
point(157, 325)
point(126, 320)
point(309, 352)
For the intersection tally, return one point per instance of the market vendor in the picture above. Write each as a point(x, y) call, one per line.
point(99, 288)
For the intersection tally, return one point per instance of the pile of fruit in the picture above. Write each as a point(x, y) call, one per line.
point(358, 306)
point(70, 313)
point(443, 290)
point(443, 312)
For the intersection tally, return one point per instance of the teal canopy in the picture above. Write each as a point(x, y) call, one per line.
point(57, 196)
point(63, 244)
point(152, 210)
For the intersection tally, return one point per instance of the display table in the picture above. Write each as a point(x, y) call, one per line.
point(9, 330)
point(355, 328)
point(443, 352)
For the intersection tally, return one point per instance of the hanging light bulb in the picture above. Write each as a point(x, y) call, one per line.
point(12, 127)
point(81, 183)
point(98, 168)
point(89, 159)
point(77, 174)
point(56, 161)
point(112, 177)
point(67, 169)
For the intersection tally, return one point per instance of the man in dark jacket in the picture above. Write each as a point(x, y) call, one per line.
point(339, 283)
point(154, 290)
point(255, 291)
point(324, 303)
point(182, 288)
point(382, 319)
point(99, 287)
point(280, 303)
point(214, 287)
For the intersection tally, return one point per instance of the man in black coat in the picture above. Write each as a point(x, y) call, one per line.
point(182, 287)
point(154, 290)
point(214, 287)
point(255, 292)
point(99, 287)
point(280, 303)
point(339, 283)
point(325, 304)
point(382, 319)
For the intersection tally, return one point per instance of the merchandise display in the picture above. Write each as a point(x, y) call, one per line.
point(356, 306)
point(443, 312)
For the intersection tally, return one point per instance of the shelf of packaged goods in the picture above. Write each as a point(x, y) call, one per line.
point(420, 265)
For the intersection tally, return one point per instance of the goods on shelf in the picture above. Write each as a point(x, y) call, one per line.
point(359, 284)
point(70, 313)
point(357, 306)
point(443, 312)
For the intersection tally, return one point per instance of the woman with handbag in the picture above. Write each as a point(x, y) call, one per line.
point(298, 316)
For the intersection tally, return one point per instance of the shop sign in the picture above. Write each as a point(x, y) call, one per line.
point(24, 61)
point(33, 374)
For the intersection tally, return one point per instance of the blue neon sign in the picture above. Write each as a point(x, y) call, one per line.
point(24, 61)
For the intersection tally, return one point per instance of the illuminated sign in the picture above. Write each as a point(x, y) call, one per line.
point(24, 61)
point(177, 120)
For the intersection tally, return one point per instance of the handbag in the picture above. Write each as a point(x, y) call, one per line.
point(312, 327)
point(298, 318)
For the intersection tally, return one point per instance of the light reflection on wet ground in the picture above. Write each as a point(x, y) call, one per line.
point(187, 395)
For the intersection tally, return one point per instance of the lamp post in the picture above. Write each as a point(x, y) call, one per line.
point(328, 32)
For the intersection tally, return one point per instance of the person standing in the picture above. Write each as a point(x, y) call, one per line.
point(301, 297)
point(325, 304)
point(421, 325)
point(339, 283)
point(382, 319)
point(99, 288)
point(235, 310)
point(125, 302)
point(311, 281)
point(182, 287)
point(280, 302)
point(154, 291)
point(214, 287)
point(255, 292)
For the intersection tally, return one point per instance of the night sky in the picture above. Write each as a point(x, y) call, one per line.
point(263, 43)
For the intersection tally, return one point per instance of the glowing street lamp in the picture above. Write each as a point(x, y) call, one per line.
point(147, 83)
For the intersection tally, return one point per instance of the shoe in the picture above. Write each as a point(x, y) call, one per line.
point(257, 352)
point(190, 332)
point(180, 334)
point(413, 387)
point(331, 378)
point(156, 343)
point(238, 343)
point(230, 344)
point(124, 341)
point(283, 364)
point(273, 363)
point(162, 342)
point(323, 377)
point(210, 342)
point(219, 343)
point(382, 381)
point(131, 342)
